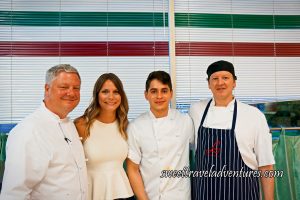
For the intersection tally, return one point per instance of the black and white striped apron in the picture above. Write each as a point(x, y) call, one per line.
point(217, 151)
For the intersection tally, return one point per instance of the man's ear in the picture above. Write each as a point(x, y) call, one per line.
point(47, 87)
point(146, 95)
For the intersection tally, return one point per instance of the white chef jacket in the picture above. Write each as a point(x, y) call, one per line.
point(157, 144)
point(251, 131)
point(40, 163)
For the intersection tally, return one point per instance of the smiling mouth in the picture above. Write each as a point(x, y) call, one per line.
point(70, 99)
point(110, 103)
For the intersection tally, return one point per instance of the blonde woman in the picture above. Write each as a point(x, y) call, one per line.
point(103, 131)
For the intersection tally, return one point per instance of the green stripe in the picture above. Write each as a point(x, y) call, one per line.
point(29, 18)
point(98, 19)
point(200, 20)
point(287, 21)
point(148, 19)
point(253, 21)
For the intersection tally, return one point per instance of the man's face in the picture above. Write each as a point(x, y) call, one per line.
point(221, 84)
point(62, 95)
point(159, 96)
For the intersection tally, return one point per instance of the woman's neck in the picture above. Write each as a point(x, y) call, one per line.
point(107, 117)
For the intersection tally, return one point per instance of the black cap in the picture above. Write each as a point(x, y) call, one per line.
point(220, 65)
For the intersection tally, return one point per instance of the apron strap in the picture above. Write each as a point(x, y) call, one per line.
point(205, 113)
point(234, 116)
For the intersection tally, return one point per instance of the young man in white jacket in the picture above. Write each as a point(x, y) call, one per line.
point(159, 143)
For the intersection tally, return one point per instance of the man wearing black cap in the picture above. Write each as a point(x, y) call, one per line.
point(233, 143)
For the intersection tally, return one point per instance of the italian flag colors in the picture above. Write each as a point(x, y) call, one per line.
point(132, 38)
point(80, 24)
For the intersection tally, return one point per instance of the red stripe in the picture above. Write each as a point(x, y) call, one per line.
point(288, 49)
point(203, 49)
point(253, 49)
point(84, 49)
point(237, 49)
point(148, 49)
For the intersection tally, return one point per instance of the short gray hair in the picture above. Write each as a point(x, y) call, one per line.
point(54, 71)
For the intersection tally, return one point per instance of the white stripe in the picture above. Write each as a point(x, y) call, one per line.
point(287, 7)
point(88, 5)
point(281, 7)
point(241, 180)
point(78, 33)
point(234, 147)
point(225, 145)
point(263, 7)
point(230, 182)
point(221, 153)
point(251, 185)
point(216, 157)
point(245, 187)
point(237, 35)
point(260, 79)
point(210, 160)
point(201, 185)
point(257, 189)
point(27, 75)
point(85, 34)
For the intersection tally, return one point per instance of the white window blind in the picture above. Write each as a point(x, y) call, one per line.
point(261, 39)
point(128, 38)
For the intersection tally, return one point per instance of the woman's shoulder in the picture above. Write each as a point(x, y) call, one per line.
point(80, 124)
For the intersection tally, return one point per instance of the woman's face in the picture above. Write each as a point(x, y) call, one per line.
point(109, 97)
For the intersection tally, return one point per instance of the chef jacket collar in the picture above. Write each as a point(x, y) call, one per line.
point(53, 115)
point(230, 106)
point(171, 115)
